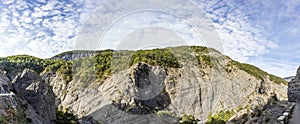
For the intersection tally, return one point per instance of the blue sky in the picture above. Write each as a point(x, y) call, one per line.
point(262, 33)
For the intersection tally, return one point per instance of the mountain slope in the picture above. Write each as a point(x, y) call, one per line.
point(160, 85)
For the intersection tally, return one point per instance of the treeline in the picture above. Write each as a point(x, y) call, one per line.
point(14, 64)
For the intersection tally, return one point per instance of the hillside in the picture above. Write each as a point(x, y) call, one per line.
point(169, 85)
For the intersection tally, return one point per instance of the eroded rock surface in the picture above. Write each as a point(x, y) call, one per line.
point(36, 92)
point(143, 90)
point(294, 88)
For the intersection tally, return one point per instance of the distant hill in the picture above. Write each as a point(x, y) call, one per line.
point(288, 79)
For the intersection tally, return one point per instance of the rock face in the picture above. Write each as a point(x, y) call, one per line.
point(29, 86)
point(134, 95)
point(294, 88)
point(141, 92)
point(14, 109)
point(5, 84)
point(74, 55)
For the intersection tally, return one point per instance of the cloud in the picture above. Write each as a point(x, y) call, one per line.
point(241, 39)
point(39, 28)
point(249, 30)
point(121, 18)
point(258, 32)
point(279, 67)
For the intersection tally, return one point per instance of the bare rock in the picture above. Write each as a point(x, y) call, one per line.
point(294, 88)
point(29, 86)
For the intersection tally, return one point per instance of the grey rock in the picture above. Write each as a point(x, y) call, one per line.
point(29, 86)
point(290, 78)
point(5, 84)
point(144, 89)
point(294, 88)
point(74, 55)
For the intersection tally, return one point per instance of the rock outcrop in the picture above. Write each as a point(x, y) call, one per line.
point(5, 84)
point(29, 86)
point(294, 88)
point(14, 109)
point(73, 55)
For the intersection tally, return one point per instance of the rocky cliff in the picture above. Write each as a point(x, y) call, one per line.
point(29, 86)
point(199, 84)
point(73, 55)
point(31, 104)
point(294, 88)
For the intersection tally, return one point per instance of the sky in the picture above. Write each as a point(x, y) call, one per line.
point(263, 33)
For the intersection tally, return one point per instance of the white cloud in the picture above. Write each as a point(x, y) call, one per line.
point(8, 1)
point(240, 39)
point(21, 32)
point(248, 29)
point(50, 5)
point(140, 21)
point(282, 68)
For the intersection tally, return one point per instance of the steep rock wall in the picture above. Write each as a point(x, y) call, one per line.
point(187, 90)
point(294, 88)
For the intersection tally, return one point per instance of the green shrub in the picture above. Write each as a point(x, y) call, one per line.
point(164, 112)
point(206, 59)
point(220, 118)
point(4, 119)
point(200, 49)
point(62, 67)
point(160, 57)
point(188, 119)
point(63, 117)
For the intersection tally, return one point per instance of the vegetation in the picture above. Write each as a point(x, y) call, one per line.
point(12, 115)
point(14, 64)
point(206, 59)
point(103, 64)
point(160, 57)
point(200, 49)
point(63, 117)
point(62, 67)
point(258, 73)
point(162, 113)
point(188, 119)
point(220, 118)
